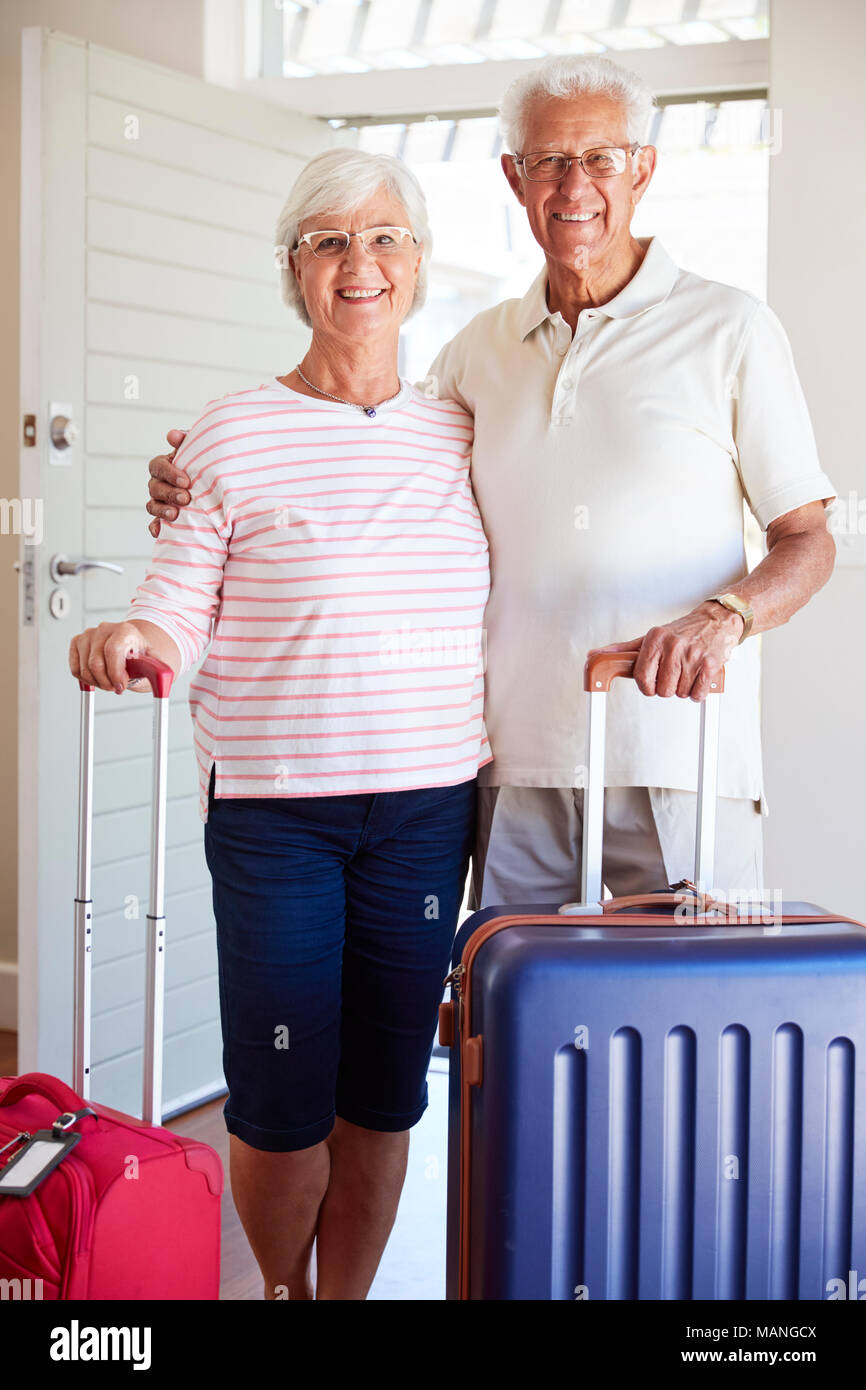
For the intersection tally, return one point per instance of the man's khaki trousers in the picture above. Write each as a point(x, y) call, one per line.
point(528, 843)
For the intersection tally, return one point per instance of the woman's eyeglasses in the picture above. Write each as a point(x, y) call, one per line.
point(376, 241)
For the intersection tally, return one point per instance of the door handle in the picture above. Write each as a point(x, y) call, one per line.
point(61, 565)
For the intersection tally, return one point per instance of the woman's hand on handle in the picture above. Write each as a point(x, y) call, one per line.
point(168, 485)
point(98, 655)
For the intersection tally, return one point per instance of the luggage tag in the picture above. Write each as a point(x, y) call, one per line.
point(41, 1152)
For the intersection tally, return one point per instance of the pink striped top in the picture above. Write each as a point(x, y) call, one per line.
point(338, 566)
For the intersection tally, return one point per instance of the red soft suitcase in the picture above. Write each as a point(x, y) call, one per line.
point(132, 1211)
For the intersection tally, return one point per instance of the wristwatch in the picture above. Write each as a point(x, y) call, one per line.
point(736, 605)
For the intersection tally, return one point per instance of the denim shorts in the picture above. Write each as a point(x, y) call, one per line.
point(335, 917)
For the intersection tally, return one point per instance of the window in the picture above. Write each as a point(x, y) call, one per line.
point(328, 36)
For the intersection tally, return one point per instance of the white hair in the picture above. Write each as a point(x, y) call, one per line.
point(570, 76)
point(339, 181)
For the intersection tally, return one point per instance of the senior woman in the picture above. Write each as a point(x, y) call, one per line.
point(333, 536)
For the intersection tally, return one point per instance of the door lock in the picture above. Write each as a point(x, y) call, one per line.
point(62, 434)
point(58, 603)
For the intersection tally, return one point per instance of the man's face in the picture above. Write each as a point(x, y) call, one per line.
point(571, 125)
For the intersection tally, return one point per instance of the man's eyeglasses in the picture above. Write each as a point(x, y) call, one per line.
point(376, 241)
point(543, 166)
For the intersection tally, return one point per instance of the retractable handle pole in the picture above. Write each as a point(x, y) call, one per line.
point(83, 901)
point(600, 669)
point(160, 677)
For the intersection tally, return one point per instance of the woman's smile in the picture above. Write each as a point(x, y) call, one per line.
point(361, 294)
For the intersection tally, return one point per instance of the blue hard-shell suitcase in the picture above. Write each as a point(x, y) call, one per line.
point(655, 1099)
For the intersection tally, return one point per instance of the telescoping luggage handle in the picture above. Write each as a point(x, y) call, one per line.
point(160, 677)
point(600, 669)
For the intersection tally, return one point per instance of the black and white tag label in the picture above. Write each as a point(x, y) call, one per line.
point(34, 1161)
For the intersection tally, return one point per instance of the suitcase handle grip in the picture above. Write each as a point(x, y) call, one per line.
point(39, 1083)
point(159, 673)
point(602, 667)
point(703, 904)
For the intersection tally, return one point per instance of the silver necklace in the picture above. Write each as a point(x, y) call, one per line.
point(367, 409)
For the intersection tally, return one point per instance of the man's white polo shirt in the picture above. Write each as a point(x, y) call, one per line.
point(610, 468)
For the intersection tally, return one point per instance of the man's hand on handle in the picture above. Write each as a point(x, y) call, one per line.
point(684, 657)
point(168, 485)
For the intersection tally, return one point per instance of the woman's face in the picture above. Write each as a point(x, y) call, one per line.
point(327, 284)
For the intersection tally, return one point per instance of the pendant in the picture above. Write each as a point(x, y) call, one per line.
point(368, 410)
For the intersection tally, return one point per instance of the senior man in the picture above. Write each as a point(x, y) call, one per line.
point(624, 411)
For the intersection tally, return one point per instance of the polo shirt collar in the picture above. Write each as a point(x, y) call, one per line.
point(651, 283)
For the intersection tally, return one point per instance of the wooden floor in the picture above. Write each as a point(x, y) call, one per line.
point(240, 1277)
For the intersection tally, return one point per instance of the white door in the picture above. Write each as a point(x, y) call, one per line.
point(148, 287)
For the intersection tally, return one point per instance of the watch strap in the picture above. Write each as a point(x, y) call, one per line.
point(738, 605)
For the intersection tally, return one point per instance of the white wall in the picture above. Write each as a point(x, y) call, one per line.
point(815, 666)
